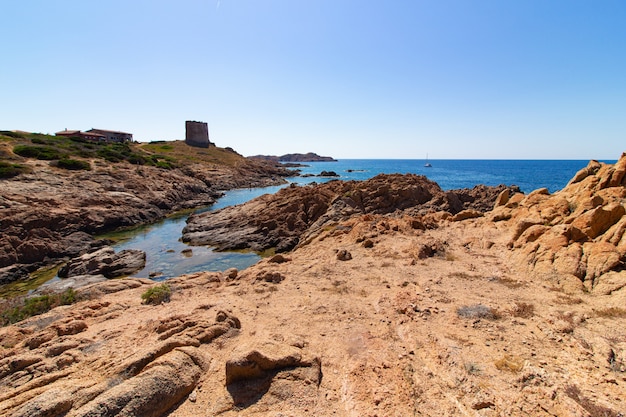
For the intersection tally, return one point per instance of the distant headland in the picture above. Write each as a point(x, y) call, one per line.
point(296, 157)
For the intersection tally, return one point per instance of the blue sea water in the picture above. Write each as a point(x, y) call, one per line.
point(161, 241)
point(452, 174)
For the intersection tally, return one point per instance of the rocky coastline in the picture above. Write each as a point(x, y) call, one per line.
point(49, 215)
point(279, 221)
point(391, 297)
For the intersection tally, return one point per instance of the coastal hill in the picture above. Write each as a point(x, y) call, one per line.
point(388, 305)
point(57, 192)
point(295, 157)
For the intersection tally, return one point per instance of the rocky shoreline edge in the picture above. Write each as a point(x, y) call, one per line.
point(49, 215)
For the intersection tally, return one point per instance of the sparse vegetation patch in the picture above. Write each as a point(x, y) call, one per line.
point(508, 282)
point(509, 363)
point(46, 153)
point(472, 368)
point(53, 148)
point(568, 299)
point(523, 310)
point(157, 295)
point(592, 408)
point(8, 170)
point(74, 165)
point(611, 312)
point(20, 308)
point(478, 311)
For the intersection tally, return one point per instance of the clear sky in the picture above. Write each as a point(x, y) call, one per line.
point(504, 79)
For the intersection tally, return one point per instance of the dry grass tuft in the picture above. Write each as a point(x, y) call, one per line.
point(590, 407)
point(615, 363)
point(508, 282)
point(478, 311)
point(472, 368)
point(463, 275)
point(611, 312)
point(523, 310)
point(339, 287)
point(569, 320)
point(568, 300)
point(510, 363)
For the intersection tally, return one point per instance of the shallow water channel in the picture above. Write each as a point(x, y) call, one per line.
point(164, 250)
point(167, 256)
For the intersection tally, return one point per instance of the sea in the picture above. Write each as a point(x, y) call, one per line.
point(166, 255)
point(452, 174)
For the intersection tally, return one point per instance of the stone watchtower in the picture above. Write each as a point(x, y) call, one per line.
point(197, 134)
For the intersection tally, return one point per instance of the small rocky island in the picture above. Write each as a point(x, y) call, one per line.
point(389, 297)
point(295, 157)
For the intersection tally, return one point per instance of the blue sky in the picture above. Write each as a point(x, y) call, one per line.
point(514, 79)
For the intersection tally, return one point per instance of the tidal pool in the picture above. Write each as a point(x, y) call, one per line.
point(167, 256)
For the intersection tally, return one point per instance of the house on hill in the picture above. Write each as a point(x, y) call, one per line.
point(83, 135)
point(98, 135)
point(113, 136)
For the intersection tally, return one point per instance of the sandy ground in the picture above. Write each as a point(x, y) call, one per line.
point(435, 323)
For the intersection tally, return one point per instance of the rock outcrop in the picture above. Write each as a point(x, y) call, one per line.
point(271, 370)
point(576, 235)
point(105, 262)
point(279, 221)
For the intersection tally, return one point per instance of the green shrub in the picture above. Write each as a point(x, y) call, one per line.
point(85, 153)
point(68, 297)
point(36, 305)
point(46, 153)
point(10, 134)
point(164, 165)
point(122, 148)
point(137, 159)
point(8, 170)
point(157, 295)
point(18, 309)
point(39, 141)
point(110, 155)
point(79, 139)
point(74, 165)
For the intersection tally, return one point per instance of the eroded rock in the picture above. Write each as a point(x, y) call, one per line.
point(283, 220)
point(254, 372)
point(578, 231)
point(105, 262)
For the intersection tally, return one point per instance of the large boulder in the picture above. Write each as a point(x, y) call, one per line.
point(105, 262)
point(270, 369)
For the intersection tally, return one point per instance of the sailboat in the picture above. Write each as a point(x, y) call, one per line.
point(427, 164)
